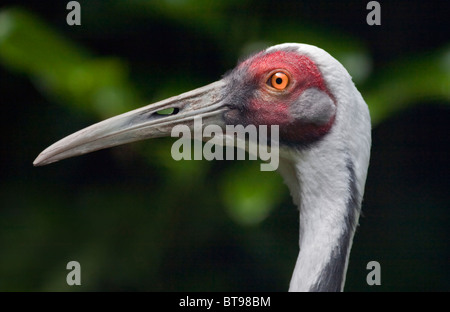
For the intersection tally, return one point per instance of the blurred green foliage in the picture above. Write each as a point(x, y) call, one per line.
point(68, 72)
point(108, 217)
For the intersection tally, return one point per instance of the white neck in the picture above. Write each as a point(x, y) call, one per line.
point(329, 204)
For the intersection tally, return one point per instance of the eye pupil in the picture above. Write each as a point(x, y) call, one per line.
point(279, 81)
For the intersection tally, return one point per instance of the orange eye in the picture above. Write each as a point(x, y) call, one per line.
point(279, 81)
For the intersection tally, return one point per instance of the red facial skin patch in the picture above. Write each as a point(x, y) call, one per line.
point(265, 105)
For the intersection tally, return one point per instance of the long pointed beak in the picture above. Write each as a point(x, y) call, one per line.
point(152, 121)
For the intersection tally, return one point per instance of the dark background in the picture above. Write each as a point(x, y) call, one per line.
point(137, 220)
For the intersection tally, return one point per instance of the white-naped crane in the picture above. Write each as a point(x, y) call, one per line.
point(324, 143)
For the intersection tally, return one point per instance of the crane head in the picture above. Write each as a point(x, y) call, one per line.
point(280, 86)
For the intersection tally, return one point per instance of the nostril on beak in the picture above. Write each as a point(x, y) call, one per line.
point(167, 111)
